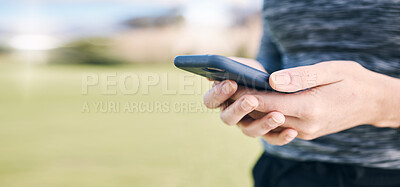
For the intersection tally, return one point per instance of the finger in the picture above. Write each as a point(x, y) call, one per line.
point(281, 138)
point(305, 130)
point(240, 108)
point(249, 62)
point(296, 104)
point(255, 128)
point(290, 123)
point(289, 104)
point(219, 93)
point(300, 78)
point(215, 83)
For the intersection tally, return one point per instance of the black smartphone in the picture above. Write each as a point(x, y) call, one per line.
point(221, 68)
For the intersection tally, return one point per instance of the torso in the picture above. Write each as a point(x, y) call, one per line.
point(366, 31)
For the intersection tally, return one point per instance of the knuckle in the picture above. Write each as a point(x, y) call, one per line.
point(246, 97)
point(333, 64)
point(310, 132)
point(248, 132)
point(206, 102)
point(216, 91)
point(354, 64)
point(224, 118)
point(209, 99)
point(206, 97)
point(310, 110)
point(241, 92)
point(300, 75)
point(268, 124)
point(307, 112)
point(338, 65)
point(241, 108)
point(228, 87)
point(210, 104)
point(237, 109)
point(305, 75)
point(265, 124)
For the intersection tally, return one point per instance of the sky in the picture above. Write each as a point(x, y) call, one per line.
point(53, 16)
point(71, 18)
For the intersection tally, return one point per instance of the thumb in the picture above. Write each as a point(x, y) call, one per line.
point(304, 77)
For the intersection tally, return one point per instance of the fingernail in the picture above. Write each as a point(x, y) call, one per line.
point(227, 87)
point(291, 135)
point(278, 119)
point(275, 121)
point(215, 83)
point(281, 79)
point(247, 105)
point(272, 123)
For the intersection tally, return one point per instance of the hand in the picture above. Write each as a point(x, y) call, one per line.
point(333, 96)
point(252, 123)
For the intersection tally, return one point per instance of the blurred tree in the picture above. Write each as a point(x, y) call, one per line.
point(243, 51)
point(172, 17)
point(4, 49)
point(93, 51)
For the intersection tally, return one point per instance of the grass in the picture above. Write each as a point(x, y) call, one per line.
point(46, 139)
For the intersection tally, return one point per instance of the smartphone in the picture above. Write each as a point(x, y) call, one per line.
point(221, 68)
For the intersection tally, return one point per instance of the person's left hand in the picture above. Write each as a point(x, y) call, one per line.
point(333, 96)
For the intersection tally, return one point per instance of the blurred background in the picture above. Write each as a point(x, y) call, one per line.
point(59, 125)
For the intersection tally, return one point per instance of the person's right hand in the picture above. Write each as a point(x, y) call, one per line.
point(254, 124)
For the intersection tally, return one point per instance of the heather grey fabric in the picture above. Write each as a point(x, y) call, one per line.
point(304, 32)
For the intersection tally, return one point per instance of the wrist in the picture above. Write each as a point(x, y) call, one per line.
point(388, 114)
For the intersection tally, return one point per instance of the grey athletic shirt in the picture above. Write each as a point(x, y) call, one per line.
point(305, 32)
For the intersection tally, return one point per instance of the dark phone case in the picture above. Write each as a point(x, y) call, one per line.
point(221, 68)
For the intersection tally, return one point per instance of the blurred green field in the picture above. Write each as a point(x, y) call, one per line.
point(46, 139)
